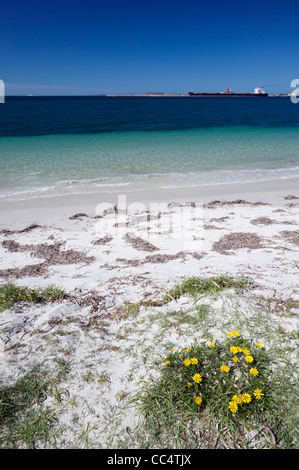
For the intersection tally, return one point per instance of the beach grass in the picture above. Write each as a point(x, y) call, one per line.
point(24, 421)
point(192, 286)
point(195, 286)
point(210, 397)
point(10, 294)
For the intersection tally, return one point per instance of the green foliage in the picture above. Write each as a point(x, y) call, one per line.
point(23, 420)
point(220, 378)
point(194, 286)
point(11, 294)
point(230, 384)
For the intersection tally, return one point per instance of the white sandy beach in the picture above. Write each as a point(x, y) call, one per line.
point(246, 231)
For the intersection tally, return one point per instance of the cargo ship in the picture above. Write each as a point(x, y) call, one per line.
point(229, 94)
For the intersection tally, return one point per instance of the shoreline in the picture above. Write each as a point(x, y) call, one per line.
point(46, 210)
point(34, 232)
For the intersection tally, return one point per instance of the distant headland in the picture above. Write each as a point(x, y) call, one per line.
point(150, 93)
point(161, 94)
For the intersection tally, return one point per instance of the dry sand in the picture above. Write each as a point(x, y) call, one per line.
point(243, 232)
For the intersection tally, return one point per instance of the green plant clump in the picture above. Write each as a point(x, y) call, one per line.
point(24, 422)
point(228, 383)
point(194, 286)
point(11, 294)
point(222, 376)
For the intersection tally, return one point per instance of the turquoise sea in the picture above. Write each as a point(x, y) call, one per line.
point(53, 146)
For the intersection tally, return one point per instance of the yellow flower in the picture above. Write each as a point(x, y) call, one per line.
point(234, 349)
point(171, 350)
point(211, 345)
point(189, 384)
point(236, 398)
point(236, 333)
point(194, 360)
point(181, 355)
point(233, 406)
point(229, 334)
point(246, 398)
point(166, 362)
point(198, 400)
point(239, 349)
point(246, 351)
point(197, 378)
point(224, 368)
point(259, 345)
point(258, 394)
point(254, 371)
point(235, 359)
point(187, 350)
point(187, 362)
point(248, 358)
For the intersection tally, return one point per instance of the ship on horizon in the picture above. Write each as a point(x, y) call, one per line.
point(228, 93)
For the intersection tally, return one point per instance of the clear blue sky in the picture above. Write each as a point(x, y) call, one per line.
point(118, 46)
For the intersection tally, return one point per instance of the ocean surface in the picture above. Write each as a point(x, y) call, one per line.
point(52, 146)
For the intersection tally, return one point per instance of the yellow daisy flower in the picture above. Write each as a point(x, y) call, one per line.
point(166, 362)
point(187, 362)
point(198, 400)
point(246, 398)
point(194, 360)
point(233, 406)
point(254, 371)
point(236, 333)
point(258, 394)
point(197, 378)
point(229, 334)
point(236, 398)
point(248, 358)
point(224, 368)
point(235, 359)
